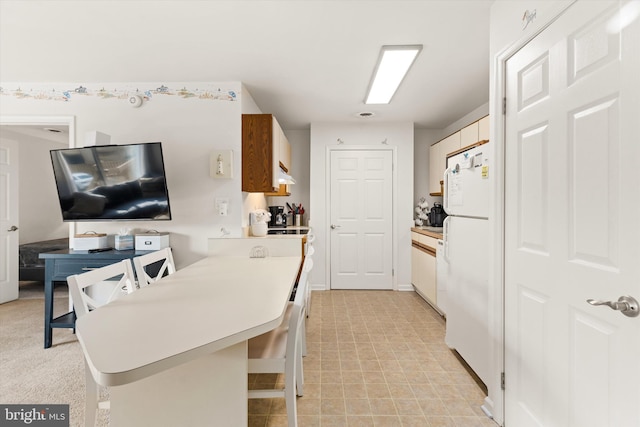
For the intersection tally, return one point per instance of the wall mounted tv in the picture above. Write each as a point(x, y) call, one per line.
point(112, 182)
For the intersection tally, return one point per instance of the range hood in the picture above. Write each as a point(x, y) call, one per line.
point(285, 178)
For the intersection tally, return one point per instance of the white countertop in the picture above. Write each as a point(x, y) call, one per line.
point(210, 305)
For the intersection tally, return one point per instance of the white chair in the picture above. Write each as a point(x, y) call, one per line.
point(83, 303)
point(280, 351)
point(306, 269)
point(78, 283)
point(309, 254)
point(142, 261)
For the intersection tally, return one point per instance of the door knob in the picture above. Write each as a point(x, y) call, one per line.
point(626, 305)
point(13, 228)
point(333, 226)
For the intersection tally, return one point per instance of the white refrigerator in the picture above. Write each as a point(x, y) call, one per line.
point(466, 245)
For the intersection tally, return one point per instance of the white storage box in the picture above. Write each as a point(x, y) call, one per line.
point(86, 242)
point(152, 241)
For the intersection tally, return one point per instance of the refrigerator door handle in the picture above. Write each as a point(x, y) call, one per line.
point(445, 188)
point(445, 237)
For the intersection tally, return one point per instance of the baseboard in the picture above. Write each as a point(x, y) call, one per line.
point(401, 288)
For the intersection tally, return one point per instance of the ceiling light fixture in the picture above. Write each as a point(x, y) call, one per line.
point(392, 66)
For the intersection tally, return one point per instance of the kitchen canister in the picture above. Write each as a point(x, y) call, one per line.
point(259, 229)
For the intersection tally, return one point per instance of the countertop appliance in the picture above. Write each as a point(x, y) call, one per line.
point(278, 217)
point(466, 237)
point(437, 215)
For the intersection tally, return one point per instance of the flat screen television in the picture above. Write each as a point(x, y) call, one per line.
point(112, 182)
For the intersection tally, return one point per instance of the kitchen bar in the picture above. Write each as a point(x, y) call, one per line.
point(175, 353)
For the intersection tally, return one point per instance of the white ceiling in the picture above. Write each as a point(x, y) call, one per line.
point(303, 60)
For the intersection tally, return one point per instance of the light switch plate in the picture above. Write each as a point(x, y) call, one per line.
point(221, 164)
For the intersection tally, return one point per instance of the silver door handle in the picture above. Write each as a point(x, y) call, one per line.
point(13, 228)
point(333, 226)
point(626, 305)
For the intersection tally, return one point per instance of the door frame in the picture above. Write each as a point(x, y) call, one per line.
point(69, 121)
point(394, 195)
point(496, 399)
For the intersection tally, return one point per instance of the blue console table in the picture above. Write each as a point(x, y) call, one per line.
point(59, 265)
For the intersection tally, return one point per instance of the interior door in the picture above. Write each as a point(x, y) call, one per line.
point(8, 220)
point(361, 219)
point(572, 209)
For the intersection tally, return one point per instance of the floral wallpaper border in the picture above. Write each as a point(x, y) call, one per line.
point(105, 91)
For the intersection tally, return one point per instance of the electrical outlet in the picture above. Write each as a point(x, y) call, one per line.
point(222, 206)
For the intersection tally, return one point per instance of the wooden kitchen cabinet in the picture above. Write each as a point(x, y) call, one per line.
point(265, 150)
point(423, 267)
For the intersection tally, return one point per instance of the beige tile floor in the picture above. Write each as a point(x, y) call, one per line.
point(375, 358)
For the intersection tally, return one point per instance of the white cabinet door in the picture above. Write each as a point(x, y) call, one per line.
point(434, 169)
point(483, 129)
point(428, 276)
point(469, 135)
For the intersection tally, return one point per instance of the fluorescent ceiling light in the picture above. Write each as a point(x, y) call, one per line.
point(393, 64)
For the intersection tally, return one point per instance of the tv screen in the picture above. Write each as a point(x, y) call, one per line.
point(112, 182)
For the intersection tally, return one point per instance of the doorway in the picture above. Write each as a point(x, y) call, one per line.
point(32, 200)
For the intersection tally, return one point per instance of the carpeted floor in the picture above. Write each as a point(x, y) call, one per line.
point(28, 372)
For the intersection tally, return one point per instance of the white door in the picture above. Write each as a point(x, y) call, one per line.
point(361, 219)
point(572, 218)
point(8, 220)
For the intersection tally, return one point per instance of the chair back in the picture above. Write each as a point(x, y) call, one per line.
point(168, 266)
point(78, 284)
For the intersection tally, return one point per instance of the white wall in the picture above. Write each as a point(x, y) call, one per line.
point(189, 127)
point(399, 135)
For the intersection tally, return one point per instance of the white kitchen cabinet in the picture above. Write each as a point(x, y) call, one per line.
point(469, 135)
point(285, 151)
point(434, 170)
point(423, 267)
point(438, 161)
point(483, 129)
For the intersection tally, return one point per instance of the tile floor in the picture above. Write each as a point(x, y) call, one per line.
point(375, 358)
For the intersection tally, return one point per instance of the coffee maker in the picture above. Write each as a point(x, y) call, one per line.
point(278, 217)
